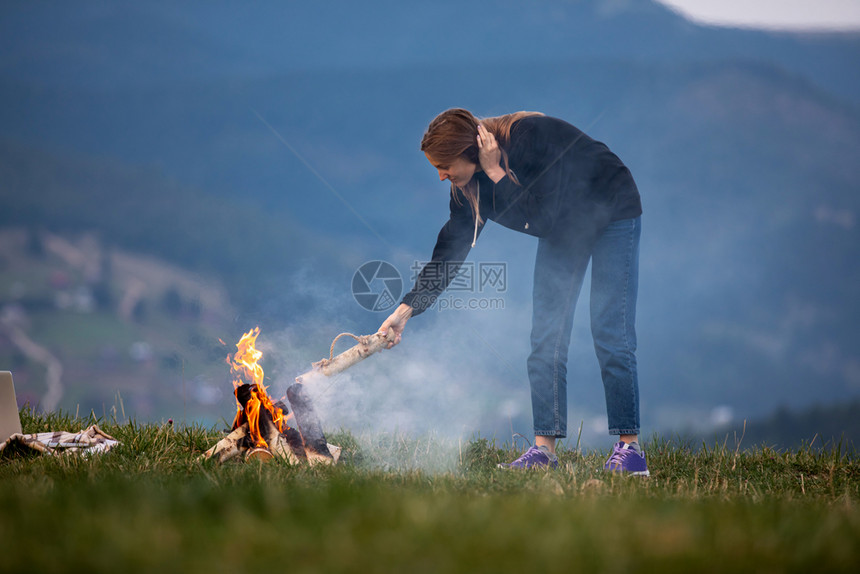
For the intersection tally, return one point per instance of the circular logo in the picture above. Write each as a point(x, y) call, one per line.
point(377, 286)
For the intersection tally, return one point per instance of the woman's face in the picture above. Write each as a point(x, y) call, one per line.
point(460, 172)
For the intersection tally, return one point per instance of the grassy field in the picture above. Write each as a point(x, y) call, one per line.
point(399, 504)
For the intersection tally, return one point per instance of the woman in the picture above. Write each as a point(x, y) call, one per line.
point(542, 176)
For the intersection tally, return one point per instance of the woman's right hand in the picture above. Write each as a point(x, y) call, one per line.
point(490, 154)
point(396, 322)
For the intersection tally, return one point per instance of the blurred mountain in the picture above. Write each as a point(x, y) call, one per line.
point(184, 130)
point(115, 44)
point(833, 427)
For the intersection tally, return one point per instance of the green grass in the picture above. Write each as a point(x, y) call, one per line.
point(407, 504)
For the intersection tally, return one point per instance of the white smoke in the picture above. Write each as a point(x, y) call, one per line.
point(456, 375)
point(437, 383)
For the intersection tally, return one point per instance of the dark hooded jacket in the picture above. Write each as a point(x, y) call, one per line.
point(569, 185)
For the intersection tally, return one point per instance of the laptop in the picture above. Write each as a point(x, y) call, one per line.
point(10, 422)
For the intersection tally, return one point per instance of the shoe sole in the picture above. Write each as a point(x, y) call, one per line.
point(629, 472)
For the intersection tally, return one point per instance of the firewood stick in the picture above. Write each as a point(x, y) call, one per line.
point(308, 421)
point(367, 345)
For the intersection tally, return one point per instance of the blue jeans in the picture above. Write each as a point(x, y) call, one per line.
point(560, 266)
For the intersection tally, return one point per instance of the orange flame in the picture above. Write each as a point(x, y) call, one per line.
point(246, 369)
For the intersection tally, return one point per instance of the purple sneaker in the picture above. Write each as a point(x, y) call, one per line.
point(535, 457)
point(627, 458)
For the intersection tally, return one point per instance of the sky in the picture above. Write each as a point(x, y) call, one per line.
point(774, 14)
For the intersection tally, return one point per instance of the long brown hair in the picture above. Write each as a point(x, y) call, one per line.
point(454, 134)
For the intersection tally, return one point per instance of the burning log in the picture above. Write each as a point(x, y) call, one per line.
point(261, 430)
point(309, 423)
point(291, 445)
point(229, 446)
point(293, 438)
point(237, 444)
point(268, 441)
point(279, 438)
point(287, 445)
point(367, 345)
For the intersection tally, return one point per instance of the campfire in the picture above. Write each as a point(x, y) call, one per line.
point(263, 429)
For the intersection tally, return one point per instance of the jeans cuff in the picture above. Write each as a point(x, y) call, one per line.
point(552, 433)
point(623, 431)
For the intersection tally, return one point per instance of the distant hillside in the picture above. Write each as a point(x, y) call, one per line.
point(115, 45)
point(86, 326)
point(140, 210)
point(821, 426)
